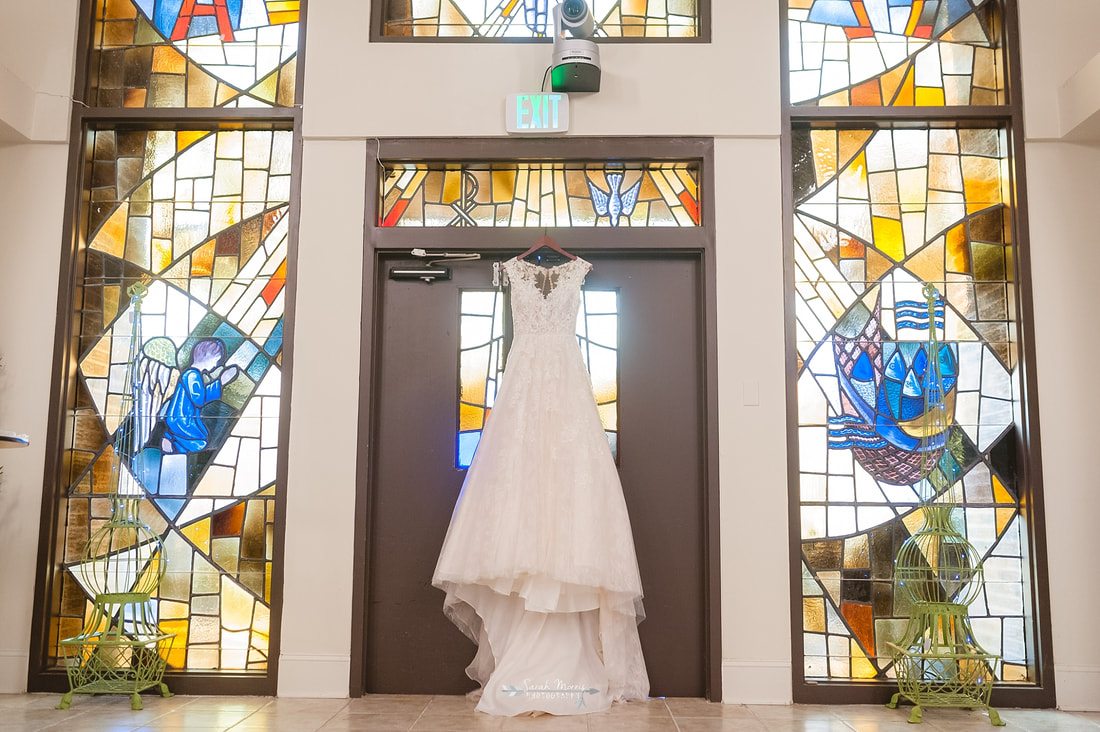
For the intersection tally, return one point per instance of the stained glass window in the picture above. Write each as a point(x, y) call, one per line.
point(895, 53)
point(191, 53)
point(200, 218)
point(529, 18)
point(541, 194)
point(482, 359)
point(879, 213)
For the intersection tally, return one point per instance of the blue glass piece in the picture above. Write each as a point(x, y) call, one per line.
point(895, 367)
point(166, 14)
point(234, 7)
point(146, 7)
point(833, 12)
point(906, 3)
point(893, 434)
point(909, 350)
point(258, 368)
point(893, 397)
point(920, 362)
point(866, 390)
point(467, 445)
point(274, 341)
point(863, 370)
point(956, 9)
point(203, 25)
point(243, 355)
point(170, 507)
point(613, 443)
point(146, 469)
point(230, 336)
point(948, 360)
point(911, 386)
point(911, 408)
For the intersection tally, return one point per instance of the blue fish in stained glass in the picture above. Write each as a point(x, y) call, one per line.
point(613, 203)
point(884, 383)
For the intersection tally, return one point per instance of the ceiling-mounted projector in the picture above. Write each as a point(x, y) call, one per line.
point(576, 63)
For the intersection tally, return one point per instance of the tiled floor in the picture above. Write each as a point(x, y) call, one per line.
point(384, 713)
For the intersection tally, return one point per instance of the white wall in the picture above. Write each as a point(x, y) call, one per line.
point(728, 89)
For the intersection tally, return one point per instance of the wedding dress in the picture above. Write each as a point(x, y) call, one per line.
point(538, 563)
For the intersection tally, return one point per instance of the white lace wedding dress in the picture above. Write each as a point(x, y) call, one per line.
point(538, 563)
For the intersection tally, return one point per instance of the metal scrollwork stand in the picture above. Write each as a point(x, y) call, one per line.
point(121, 649)
point(939, 662)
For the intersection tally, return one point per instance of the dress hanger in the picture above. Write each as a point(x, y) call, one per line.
point(546, 241)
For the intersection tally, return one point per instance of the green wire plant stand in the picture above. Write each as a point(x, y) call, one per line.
point(938, 661)
point(121, 649)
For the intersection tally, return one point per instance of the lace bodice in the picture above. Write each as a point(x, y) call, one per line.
point(545, 299)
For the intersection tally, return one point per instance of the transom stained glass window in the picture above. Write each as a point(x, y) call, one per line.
point(200, 218)
point(194, 53)
point(895, 53)
point(879, 213)
point(532, 18)
point(482, 361)
point(541, 194)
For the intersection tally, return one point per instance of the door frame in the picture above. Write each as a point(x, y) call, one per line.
point(699, 240)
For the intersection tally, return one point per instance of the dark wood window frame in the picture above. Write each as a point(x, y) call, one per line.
point(40, 676)
point(1010, 118)
point(699, 240)
point(378, 20)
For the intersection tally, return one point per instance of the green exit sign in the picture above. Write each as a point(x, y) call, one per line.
point(536, 114)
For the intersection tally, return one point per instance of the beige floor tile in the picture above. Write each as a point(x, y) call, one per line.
point(282, 705)
point(1045, 720)
point(304, 720)
point(613, 723)
point(388, 703)
point(681, 707)
point(791, 712)
point(719, 724)
point(450, 705)
point(228, 703)
point(367, 723)
point(547, 723)
point(477, 722)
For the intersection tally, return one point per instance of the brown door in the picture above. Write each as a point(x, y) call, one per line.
point(410, 646)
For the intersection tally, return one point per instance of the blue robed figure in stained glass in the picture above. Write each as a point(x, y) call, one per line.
point(184, 427)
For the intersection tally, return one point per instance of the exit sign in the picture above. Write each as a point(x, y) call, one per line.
point(536, 114)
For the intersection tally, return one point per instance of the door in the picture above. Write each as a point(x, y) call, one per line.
point(410, 646)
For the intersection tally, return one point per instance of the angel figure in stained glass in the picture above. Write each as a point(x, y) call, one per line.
point(184, 429)
point(614, 203)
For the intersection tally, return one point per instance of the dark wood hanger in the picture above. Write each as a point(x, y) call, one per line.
point(545, 241)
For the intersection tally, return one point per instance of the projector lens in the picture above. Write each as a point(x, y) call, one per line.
point(574, 9)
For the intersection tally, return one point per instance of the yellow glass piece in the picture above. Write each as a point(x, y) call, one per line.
point(98, 360)
point(930, 97)
point(111, 237)
point(813, 614)
point(283, 18)
point(199, 534)
point(857, 552)
point(913, 521)
point(888, 237)
point(177, 657)
point(470, 418)
point(825, 155)
point(982, 181)
point(862, 668)
point(957, 250)
point(237, 604)
point(853, 181)
point(1000, 493)
point(267, 88)
point(609, 415)
point(167, 60)
point(1004, 518)
point(918, 427)
point(927, 264)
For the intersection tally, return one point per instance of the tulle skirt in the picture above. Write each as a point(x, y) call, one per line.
point(538, 563)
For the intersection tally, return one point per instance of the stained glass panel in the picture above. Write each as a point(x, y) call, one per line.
point(895, 53)
point(482, 359)
point(547, 194)
point(476, 19)
point(200, 218)
point(194, 53)
point(878, 214)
